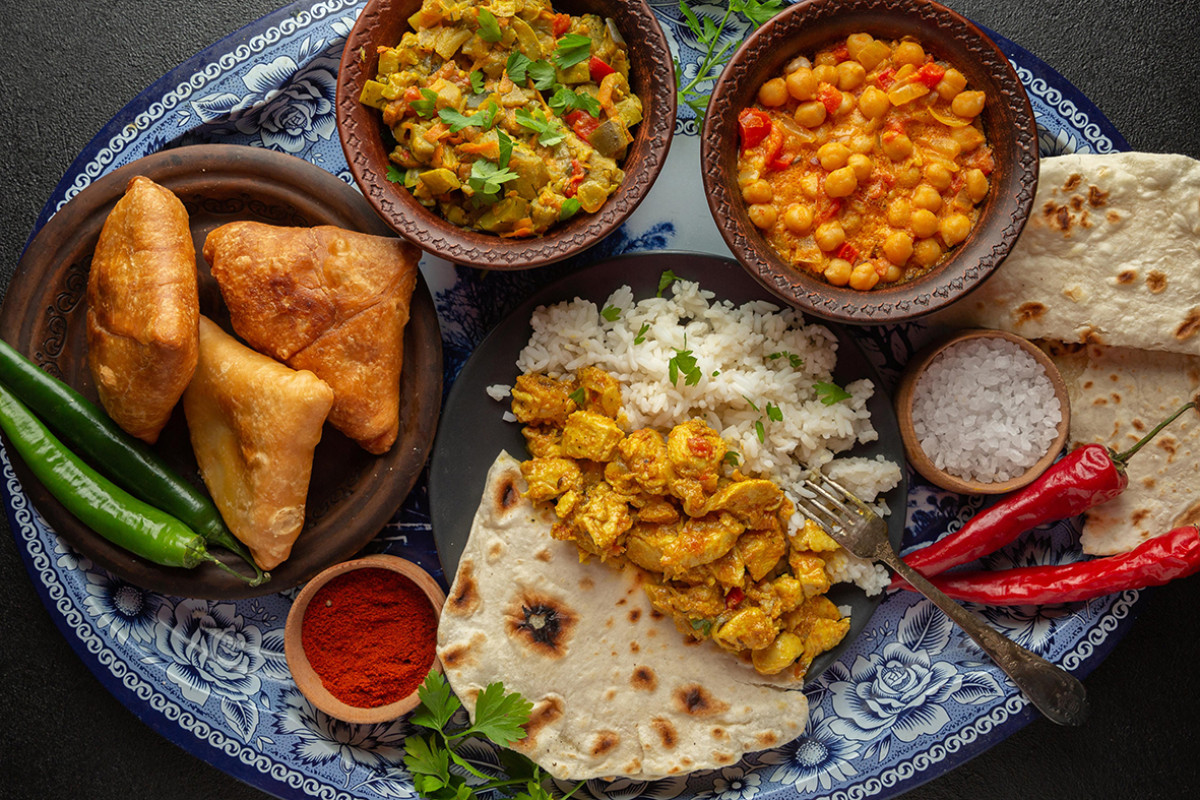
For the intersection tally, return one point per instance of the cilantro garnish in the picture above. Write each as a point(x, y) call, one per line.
point(565, 100)
point(476, 78)
point(489, 28)
point(641, 334)
point(506, 146)
point(793, 359)
point(759, 430)
point(684, 362)
point(572, 48)
point(666, 279)
point(731, 458)
point(480, 119)
point(487, 177)
point(569, 208)
point(549, 131)
point(830, 393)
point(578, 396)
point(517, 66)
point(751, 402)
point(424, 106)
point(394, 174)
point(543, 75)
point(704, 626)
point(611, 313)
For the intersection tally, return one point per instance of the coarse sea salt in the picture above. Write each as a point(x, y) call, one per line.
point(985, 410)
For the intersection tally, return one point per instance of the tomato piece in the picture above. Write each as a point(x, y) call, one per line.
point(598, 68)
point(700, 447)
point(754, 125)
point(830, 97)
point(577, 177)
point(583, 123)
point(828, 212)
point(735, 596)
point(847, 252)
point(886, 78)
point(782, 161)
point(841, 52)
point(561, 23)
point(931, 74)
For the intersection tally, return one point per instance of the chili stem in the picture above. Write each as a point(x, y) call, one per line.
point(1121, 458)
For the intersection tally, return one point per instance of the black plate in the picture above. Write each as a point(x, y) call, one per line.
point(474, 431)
point(352, 493)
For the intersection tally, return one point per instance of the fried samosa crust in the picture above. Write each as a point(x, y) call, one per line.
point(142, 306)
point(328, 300)
point(254, 424)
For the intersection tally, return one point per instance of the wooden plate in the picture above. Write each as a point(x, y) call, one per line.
point(352, 493)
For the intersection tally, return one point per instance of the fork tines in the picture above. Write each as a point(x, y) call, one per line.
point(814, 508)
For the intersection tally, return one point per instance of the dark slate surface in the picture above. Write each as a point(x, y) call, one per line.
point(72, 66)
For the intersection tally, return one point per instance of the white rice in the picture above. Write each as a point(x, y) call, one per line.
point(745, 366)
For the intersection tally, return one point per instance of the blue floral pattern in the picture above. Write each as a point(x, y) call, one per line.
point(912, 696)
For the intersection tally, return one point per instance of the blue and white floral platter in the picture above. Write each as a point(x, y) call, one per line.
point(911, 699)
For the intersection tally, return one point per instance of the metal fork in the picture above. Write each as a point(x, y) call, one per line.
point(1052, 690)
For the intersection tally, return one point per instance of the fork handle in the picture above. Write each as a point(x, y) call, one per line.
point(1055, 692)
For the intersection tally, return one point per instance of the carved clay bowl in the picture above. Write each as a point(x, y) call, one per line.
point(1007, 121)
point(362, 133)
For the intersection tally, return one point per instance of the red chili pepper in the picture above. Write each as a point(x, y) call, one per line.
point(1152, 563)
point(577, 177)
point(583, 123)
point(734, 597)
point(847, 252)
point(754, 126)
point(598, 68)
point(1085, 477)
point(830, 97)
point(931, 74)
point(886, 78)
point(561, 23)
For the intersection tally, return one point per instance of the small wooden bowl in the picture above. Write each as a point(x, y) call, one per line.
point(912, 447)
point(307, 679)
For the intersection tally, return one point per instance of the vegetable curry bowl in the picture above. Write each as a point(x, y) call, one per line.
point(870, 161)
point(505, 133)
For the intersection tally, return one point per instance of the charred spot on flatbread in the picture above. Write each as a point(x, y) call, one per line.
point(1113, 217)
point(668, 737)
point(545, 712)
point(694, 700)
point(635, 615)
point(1127, 276)
point(1137, 517)
point(1168, 444)
point(544, 555)
point(634, 647)
point(1096, 197)
point(464, 598)
point(1189, 517)
point(505, 494)
point(496, 550)
point(767, 739)
point(604, 742)
point(542, 623)
point(1028, 312)
point(1074, 180)
point(644, 679)
point(460, 655)
point(1156, 281)
point(1090, 335)
point(724, 758)
point(1190, 325)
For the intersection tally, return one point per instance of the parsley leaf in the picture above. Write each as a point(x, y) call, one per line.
point(543, 75)
point(578, 396)
point(759, 431)
point(704, 626)
point(793, 359)
point(572, 48)
point(480, 119)
point(424, 106)
point(830, 393)
point(489, 28)
point(684, 362)
point(476, 78)
point(499, 716)
point(611, 313)
point(517, 66)
point(487, 177)
point(394, 174)
point(773, 413)
point(438, 703)
point(506, 146)
point(641, 334)
point(666, 279)
point(550, 131)
point(731, 457)
point(751, 402)
point(569, 208)
point(565, 100)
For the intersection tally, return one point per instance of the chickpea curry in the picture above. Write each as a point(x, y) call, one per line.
point(713, 544)
point(866, 164)
point(507, 117)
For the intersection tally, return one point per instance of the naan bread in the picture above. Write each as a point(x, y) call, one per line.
point(1117, 396)
point(327, 300)
point(1110, 255)
point(254, 425)
point(142, 305)
point(617, 690)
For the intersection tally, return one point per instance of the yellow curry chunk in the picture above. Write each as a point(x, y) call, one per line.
point(590, 435)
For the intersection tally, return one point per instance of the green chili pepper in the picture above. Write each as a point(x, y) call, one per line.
point(96, 501)
point(126, 460)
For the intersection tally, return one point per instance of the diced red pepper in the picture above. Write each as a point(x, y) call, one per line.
point(582, 123)
point(561, 23)
point(754, 126)
point(886, 78)
point(782, 161)
point(735, 596)
point(847, 252)
point(830, 97)
point(841, 52)
point(598, 68)
point(700, 447)
point(931, 74)
point(577, 177)
point(828, 212)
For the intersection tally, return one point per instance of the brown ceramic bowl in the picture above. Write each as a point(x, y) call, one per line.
point(1007, 121)
point(912, 446)
point(307, 679)
point(362, 132)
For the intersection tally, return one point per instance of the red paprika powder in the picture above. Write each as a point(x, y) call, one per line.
point(369, 634)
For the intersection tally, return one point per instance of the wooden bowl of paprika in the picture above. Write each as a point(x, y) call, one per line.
point(361, 637)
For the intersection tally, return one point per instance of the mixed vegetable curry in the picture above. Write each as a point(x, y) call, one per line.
point(507, 116)
point(713, 543)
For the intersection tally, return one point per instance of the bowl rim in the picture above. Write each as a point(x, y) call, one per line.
point(809, 24)
point(306, 678)
point(360, 131)
point(922, 463)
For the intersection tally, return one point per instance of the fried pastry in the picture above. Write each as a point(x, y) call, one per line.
point(329, 300)
point(142, 306)
point(254, 424)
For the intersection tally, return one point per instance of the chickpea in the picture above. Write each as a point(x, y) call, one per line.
point(810, 114)
point(892, 274)
point(954, 228)
point(856, 43)
point(896, 145)
point(852, 221)
point(773, 93)
point(925, 196)
point(968, 137)
point(850, 75)
point(838, 272)
point(873, 103)
point(908, 53)
point(826, 58)
point(833, 155)
point(847, 104)
point(924, 223)
point(951, 84)
point(864, 277)
point(862, 143)
point(825, 73)
point(927, 252)
point(841, 182)
point(977, 185)
point(938, 176)
point(862, 166)
point(811, 186)
point(909, 176)
point(762, 215)
point(798, 219)
point(898, 247)
point(801, 84)
point(899, 212)
point(968, 104)
point(829, 235)
point(758, 191)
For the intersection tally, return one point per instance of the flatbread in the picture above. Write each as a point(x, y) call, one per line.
point(617, 690)
point(1110, 255)
point(1117, 396)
